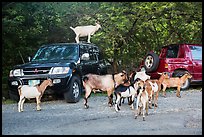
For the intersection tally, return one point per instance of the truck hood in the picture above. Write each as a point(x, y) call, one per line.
point(36, 64)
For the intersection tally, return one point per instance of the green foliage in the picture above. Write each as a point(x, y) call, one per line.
point(129, 29)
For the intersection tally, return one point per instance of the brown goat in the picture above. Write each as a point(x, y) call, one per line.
point(153, 86)
point(92, 82)
point(175, 82)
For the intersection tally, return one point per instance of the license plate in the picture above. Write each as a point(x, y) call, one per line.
point(33, 82)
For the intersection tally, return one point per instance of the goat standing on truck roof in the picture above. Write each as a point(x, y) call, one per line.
point(175, 82)
point(82, 31)
point(108, 82)
point(26, 91)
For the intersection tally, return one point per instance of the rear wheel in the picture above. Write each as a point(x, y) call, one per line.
point(151, 62)
point(73, 94)
point(186, 85)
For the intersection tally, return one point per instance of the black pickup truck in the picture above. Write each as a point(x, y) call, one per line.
point(64, 63)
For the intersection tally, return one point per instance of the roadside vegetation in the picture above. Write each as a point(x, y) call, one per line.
point(129, 29)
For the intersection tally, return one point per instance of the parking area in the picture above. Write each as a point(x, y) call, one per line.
point(174, 116)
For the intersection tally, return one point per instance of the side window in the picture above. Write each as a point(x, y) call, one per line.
point(172, 52)
point(93, 55)
point(196, 52)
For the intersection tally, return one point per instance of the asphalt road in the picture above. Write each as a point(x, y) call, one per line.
point(174, 116)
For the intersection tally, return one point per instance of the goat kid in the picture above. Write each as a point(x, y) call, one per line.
point(82, 31)
point(130, 92)
point(175, 82)
point(153, 87)
point(26, 91)
point(142, 100)
point(131, 81)
point(93, 82)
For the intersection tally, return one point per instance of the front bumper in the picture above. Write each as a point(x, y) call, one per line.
point(60, 82)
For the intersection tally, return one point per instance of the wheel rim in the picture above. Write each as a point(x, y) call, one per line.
point(149, 61)
point(185, 84)
point(76, 89)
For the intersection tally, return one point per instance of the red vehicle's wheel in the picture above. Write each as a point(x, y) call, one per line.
point(151, 62)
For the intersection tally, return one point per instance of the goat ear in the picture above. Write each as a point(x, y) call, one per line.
point(97, 22)
point(124, 72)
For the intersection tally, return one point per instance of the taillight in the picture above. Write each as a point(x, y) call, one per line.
point(166, 65)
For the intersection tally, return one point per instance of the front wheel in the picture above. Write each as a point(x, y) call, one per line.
point(73, 93)
point(13, 96)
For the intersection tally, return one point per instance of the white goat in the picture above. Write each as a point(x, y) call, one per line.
point(142, 100)
point(26, 91)
point(142, 75)
point(82, 31)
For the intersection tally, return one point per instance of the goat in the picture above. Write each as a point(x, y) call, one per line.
point(141, 75)
point(153, 86)
point(26, 91)
point(131, 81)
point(133, 77)
point(142, 100)
point(128, 91)
point(82, 31)
point(108, 82)
point(175, 82)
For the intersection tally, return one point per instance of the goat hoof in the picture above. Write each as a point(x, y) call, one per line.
point(110, 105)
point(86, 106)
point(143, 119)
point(135, 117)
point(179, 96)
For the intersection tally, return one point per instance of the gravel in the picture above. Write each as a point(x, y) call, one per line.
point(174, 116)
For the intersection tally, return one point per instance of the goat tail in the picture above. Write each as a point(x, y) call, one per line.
point(85, 79)
point(21, 84)
point(71, 28)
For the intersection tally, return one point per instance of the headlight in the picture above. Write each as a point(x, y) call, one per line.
point(59, 70)
point(16, 72)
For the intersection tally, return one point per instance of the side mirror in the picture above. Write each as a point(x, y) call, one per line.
point(85, 56)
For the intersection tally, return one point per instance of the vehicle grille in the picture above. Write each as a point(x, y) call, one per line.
point(36, 71)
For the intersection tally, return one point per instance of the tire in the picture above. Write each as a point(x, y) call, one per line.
point(186, 85)
point(151, 62)
point(73, 93)
point(13, 96)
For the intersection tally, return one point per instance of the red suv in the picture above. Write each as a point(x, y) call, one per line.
point(177, 59)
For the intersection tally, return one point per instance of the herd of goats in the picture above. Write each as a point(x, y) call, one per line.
point(138, 85)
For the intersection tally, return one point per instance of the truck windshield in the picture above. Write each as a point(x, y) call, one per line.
point(59, 52)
